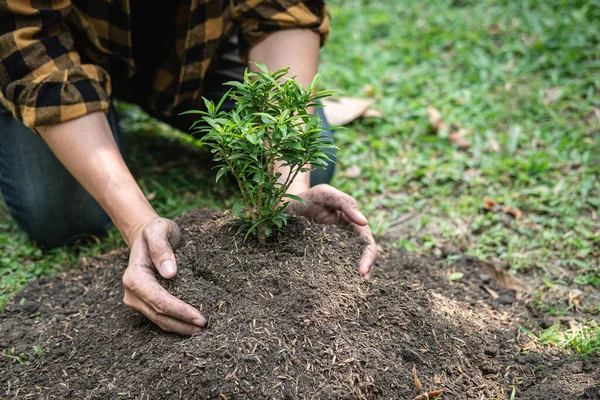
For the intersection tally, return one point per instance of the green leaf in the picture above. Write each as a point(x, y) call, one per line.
point(252, 138)
point(259, 176)
point(254, 226)
point(236, 84)
point(237, 207)
point(221, 172)
point(193, 112)
point(262, 67)
point(223, 99)
point(314, 82)
point(38, 350)
point(294, 197)
point(455, 276)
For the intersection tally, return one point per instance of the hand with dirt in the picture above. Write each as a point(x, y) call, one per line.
point(95, 161)
point(327, 205)
point(151, 251)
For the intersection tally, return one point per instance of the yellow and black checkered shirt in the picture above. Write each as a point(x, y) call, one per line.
point(57, 56)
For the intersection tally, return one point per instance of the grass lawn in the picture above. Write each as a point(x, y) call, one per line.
point(521, 78)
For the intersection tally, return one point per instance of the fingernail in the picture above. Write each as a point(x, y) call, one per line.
point(167, 268)
point(199, 321)
point(361, 215)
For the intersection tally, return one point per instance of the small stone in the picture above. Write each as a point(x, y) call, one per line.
point(587, 367)
point(504, 300)
point(533, 358)
point(14, 336)
point(64, 390)
point(576, 367)
point(410, 356)
point(31, 306)
point(489, 370)
point(490, 351)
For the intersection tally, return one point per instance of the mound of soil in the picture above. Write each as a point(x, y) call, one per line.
point(287, 319)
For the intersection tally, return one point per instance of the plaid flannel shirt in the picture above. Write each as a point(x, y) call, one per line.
point(56, 56)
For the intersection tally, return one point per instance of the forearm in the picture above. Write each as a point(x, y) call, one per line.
point(297, 49)
point(86, 147)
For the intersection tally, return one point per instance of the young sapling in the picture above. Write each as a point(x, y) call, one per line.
point(270, 126)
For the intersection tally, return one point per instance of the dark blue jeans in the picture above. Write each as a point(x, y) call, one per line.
point(45, 200)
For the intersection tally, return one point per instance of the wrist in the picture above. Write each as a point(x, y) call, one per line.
point(133, 228)
point(300, 184)
point(298, 187)
point(130, 214)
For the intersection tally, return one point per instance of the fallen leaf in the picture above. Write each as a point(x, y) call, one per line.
point(343, 110)
point(434, 393)
point(353, 172)
point(458, 137)
point(472, 173)
point(435, 119)
point(428, 395)
point(515, 212)
point(455, 276)
point(491, 291)
point(576, 297)
point(368, 90)
point(551, 95)
point(416, 378)
point(488, 203)
point(495, 30)
point(574, 325)
point(505, 279)
point(437, 380)
point(492, 205)
point(494, 144)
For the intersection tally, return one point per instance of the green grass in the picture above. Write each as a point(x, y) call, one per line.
point(523, 78)
point(487, 67)
point(583, 340)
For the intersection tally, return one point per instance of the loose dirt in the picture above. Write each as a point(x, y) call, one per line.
point(287, 319)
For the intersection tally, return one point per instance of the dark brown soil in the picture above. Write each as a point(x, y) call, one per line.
point(288, 319)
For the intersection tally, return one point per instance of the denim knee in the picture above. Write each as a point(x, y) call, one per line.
point(54, 221)
point(44, 199)
point(324, 175)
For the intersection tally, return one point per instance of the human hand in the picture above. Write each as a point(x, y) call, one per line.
point(327, 205)
point(151, 251)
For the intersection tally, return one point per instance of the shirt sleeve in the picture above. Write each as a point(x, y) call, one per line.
point(42, 79)
point(259, 18)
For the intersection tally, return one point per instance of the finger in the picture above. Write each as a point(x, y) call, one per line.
point(144, 286)
point(165, 322)
point(369, 254)
point(174, 235)
point(368, 259)
point(341, 201)
point(161, 237)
